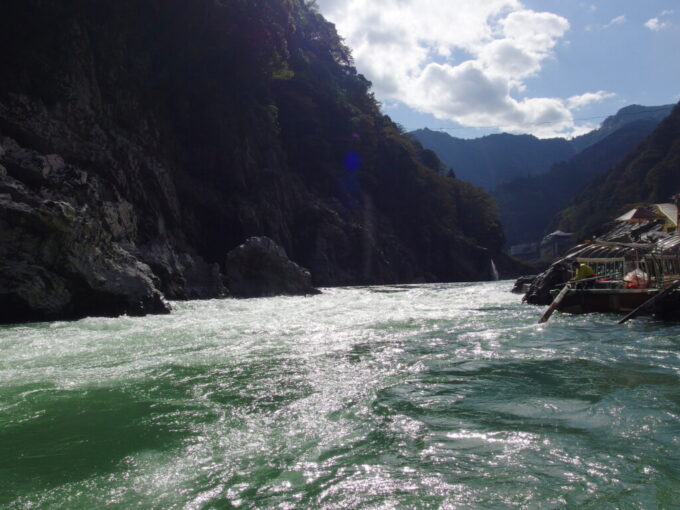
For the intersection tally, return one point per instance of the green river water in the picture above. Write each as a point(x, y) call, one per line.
point(431, 396)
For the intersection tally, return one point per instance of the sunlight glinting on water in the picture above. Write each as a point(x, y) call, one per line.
point(437, 396)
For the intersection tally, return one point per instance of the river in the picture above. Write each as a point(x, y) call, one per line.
point(423, 396)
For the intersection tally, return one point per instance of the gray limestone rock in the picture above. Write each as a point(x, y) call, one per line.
point(58, 257)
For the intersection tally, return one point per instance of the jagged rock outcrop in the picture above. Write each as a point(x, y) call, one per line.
point(181, 275)
point(57, 257)
point(557, 274)
point(260, 267)
point(521, 285)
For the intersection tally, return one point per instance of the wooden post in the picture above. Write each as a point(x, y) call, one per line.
point(554, 304)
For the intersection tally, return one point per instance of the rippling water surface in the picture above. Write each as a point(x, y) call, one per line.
point(434, 396)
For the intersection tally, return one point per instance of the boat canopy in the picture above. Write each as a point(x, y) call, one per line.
point(669, 245)
point(639, 214)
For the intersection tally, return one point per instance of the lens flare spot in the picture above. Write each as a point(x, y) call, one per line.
point(352, 161)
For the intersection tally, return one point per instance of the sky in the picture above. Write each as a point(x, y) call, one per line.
point(544, 67)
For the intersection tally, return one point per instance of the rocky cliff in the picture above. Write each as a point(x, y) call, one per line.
point(144, 139)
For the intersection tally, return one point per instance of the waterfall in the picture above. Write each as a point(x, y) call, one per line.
point(494, 271)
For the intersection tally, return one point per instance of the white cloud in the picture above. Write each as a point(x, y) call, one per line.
point(654, 24)
point(576, 102)
point(657, 24)
point(618, 20)
point(473, 97)
point(465, 60)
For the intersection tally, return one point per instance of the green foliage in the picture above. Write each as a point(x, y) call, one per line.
point(478, 216)
point(528, 205)
point(649, 174)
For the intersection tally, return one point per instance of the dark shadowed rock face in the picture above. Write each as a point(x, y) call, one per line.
point(153, 137)
point(58, 258)
point(539, 291)
point(260, 267)
point(181, 275)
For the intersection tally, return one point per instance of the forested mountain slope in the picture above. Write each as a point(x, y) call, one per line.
point(143, 139)
point(648, 174)
point(494, 159)
point(528, 206)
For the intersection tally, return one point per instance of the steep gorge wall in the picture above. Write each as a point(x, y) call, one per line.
point(650, 173)
point(201, 123)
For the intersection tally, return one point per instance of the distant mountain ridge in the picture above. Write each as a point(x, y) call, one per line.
point(495, 159)
point(528, 206)
point(648, 174)
point(623, 117)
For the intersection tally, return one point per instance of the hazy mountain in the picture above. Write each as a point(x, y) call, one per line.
point(493, 159)
point(528, 206)
point(648, 174)
point(624, 116)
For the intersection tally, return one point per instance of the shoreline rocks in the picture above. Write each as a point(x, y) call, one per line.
point(260, 268)
point(58, 259)
point(523, 283)
point(539, 290)
point(68, 250)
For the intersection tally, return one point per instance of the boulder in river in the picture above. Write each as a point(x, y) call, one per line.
point(182, 275)
point(522, 284)
point(539, 290)
point(260, 267)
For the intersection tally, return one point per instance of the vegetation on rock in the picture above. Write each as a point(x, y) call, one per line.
point(210, 122)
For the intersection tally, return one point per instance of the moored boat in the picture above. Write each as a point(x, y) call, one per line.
point(627, 275)
point(632, 268)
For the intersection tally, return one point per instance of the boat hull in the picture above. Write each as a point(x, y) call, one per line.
point(669, 308)
point(605, 300)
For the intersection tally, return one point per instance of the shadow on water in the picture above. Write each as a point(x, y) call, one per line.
point(67, 436)
point(527, 395)
point(51, 437)
point(556, 377)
